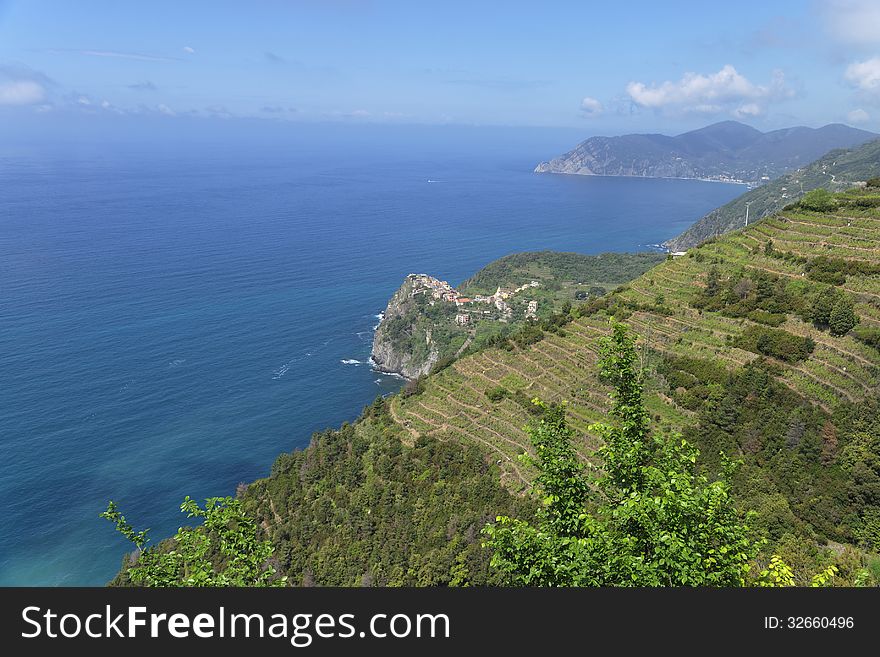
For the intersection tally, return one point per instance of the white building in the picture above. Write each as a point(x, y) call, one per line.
point(532, 310)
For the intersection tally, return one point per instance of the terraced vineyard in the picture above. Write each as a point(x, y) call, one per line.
point(661, 306)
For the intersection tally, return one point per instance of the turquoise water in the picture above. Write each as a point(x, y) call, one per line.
point(173, 318)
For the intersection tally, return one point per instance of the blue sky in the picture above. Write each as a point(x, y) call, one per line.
point(600, 67)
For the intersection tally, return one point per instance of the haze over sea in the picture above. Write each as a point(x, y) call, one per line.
point(175, 314)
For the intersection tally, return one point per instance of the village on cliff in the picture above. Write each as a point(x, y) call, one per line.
point(443, 291)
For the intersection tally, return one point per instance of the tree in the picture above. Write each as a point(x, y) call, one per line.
point(713, 281)
point(744, 287)
point(223, 551)
point(647, 519)
point(843, 317)
point(823, 306)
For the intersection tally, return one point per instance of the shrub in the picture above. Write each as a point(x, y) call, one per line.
point(819, 200)
point(823, 304)
point(776, 343)
point(866, 202)
point(496, 393)
point(827, 270)
point(843, 317)
point(763, 317)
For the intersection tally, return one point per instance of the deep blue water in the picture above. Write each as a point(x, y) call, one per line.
point(173, 318)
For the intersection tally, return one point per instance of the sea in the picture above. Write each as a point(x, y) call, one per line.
point(175, 312)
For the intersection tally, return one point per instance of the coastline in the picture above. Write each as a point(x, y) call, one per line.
point(750, 185)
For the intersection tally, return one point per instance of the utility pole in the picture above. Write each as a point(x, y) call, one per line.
point(748, 203)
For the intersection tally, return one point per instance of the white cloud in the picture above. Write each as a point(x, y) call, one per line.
point(864, 76)
point(748, 110)
point(858, 116)
point(188, 50)
point(591, 108)
point(162, 108)
point(20, 85)
point(21, 92)
point(84, 100)
point(853, 22)
point(711, 93)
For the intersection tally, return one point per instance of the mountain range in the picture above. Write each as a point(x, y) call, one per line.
point(728, 150)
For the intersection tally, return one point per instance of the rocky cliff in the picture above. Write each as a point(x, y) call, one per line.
point(402, 344)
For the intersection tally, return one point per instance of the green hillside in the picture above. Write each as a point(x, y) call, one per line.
point(837, 170)
point(751, 372)
point(571, 272)
point(762, 345)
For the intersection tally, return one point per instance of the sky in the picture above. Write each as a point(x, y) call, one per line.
point(598, 67)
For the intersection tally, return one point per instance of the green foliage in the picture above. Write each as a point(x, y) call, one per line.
point(520, 268)
point(761, 296)
point(224, 551)
point(777, 573)
point(809, 476)
point(713, 282)
point(656, 307)
point(835, 270)
point(868, 335)
point(868, 532)
point(833, 309)
point(873, 182)
point(528, 334)
point(776, 343)
point(866, 202)
point(359, 507)
point(496, 393)
point(819, 200)
point(824, 577)
point(826, 270)
point(823, 304)
point(114, 515)
point(843, 317)
point(652, 520)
